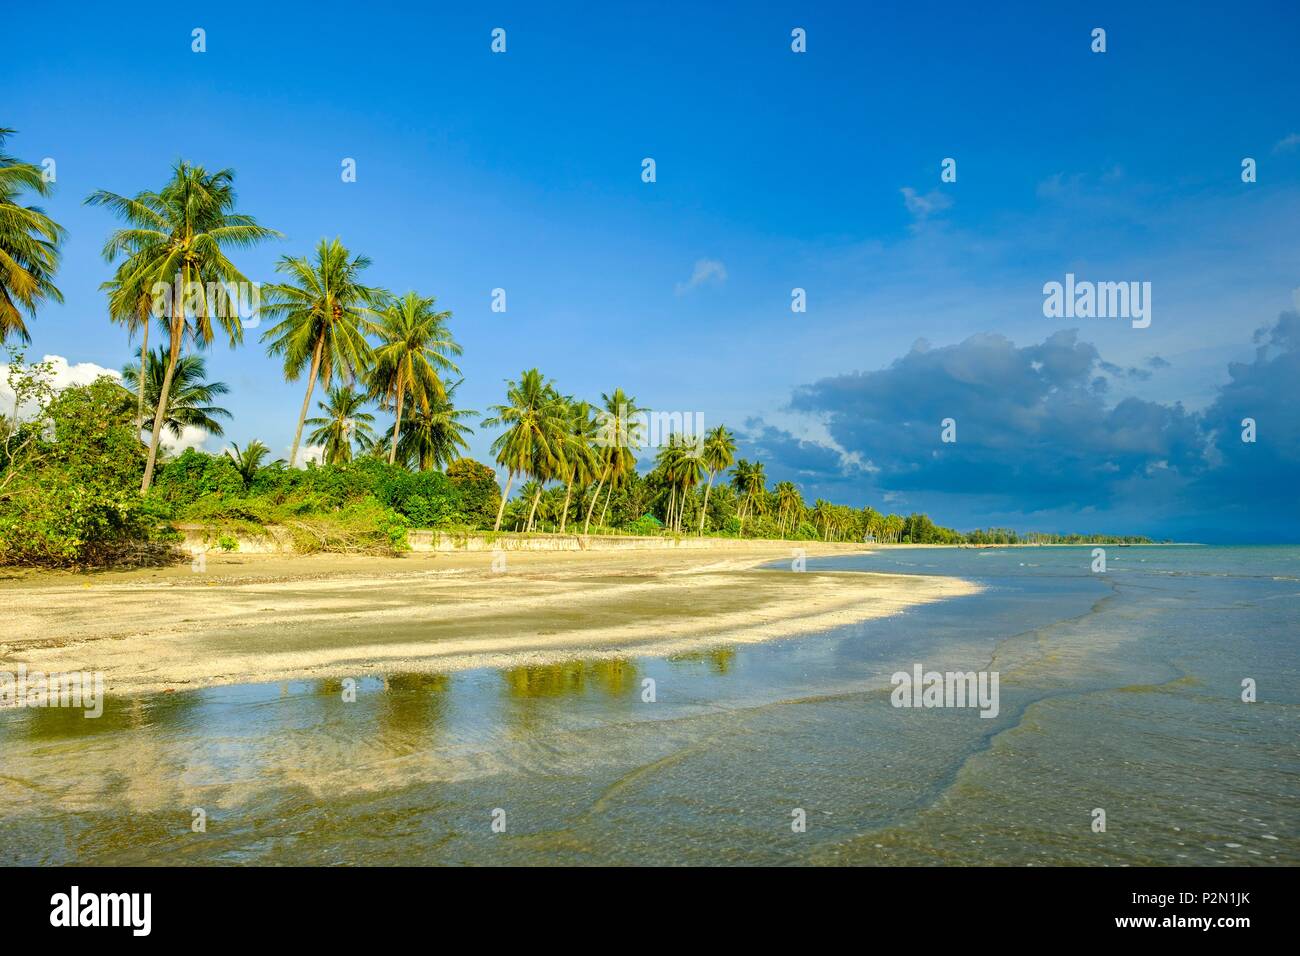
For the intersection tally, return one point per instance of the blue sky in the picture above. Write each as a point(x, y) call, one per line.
point(818, 170)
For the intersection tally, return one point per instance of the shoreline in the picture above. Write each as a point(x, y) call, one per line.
point(257, 619)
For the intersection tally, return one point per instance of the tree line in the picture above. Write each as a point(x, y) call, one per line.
point(363, 346)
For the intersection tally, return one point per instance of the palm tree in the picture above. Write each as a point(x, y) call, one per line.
point(134, 317)
point(249, 461)
point(689, 472)
point(343, 421)
point(789, 504)
point(174, 239)
point(823, 517)
point(435, 437)
point(718, 454)
point(533, 418)
point(679, 463)
point(581, 461)
point(191, 396)
point(415, 347)
point(29, 246)
point(324, 311)
point(620, 435)
point(749, 480)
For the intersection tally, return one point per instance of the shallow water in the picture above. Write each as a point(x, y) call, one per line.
point(1119, 691)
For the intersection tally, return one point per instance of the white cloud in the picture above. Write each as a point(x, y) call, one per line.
point(1287, 143)
point(62, 374)
point(306, 453)
point(191, 437)
point(706, 270)
point(922, 207)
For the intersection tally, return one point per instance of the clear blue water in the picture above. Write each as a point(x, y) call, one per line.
point(1119, 691)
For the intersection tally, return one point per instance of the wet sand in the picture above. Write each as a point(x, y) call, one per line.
point(253, 618)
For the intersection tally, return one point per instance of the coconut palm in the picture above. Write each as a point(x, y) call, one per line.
point(29, 245)
point(620, 435)
point(581, 461)
point(789, 504)
point(133, 317)
point(249, 461)
point(415, 347)
point(533, 418)
point(191, 397)
point(345, 419)
point(749, 481)
point(323, 312)
point(175, 239)
point(689, 472)
point(433, 438)
point(717, 456)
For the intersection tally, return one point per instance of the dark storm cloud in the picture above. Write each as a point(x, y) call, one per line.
point(1265, 472)
point(1036, 430)
point(1032, 423)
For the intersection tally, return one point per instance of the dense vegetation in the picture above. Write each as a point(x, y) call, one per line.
point(84, 478)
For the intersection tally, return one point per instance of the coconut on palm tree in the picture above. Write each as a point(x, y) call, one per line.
point(29, 245)
point(433, 438)
point(415, 349)
point(175, 239)
point(717, 456)
point(534, 419)
point(324, 310)
point(345, 420)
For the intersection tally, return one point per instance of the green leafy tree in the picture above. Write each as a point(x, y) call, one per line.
point(74, 501)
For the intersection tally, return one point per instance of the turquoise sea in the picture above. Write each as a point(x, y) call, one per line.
point(1119, 691)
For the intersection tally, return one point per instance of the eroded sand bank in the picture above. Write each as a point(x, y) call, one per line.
point(263, 618)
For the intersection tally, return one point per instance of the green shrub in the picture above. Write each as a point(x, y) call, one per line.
point(645, 525)
point(72, 495)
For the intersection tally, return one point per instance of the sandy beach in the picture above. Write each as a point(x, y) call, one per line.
point(251, 618)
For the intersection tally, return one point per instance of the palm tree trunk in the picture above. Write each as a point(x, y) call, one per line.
point(306, 400)
point(532, 512)
point(564, 515)
point(144, 356)
point(705, 510)
point(594, 499)
point(397, 422)
point(672, 497)
point(160, 414)
point(501, 510)
point(608, 494)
